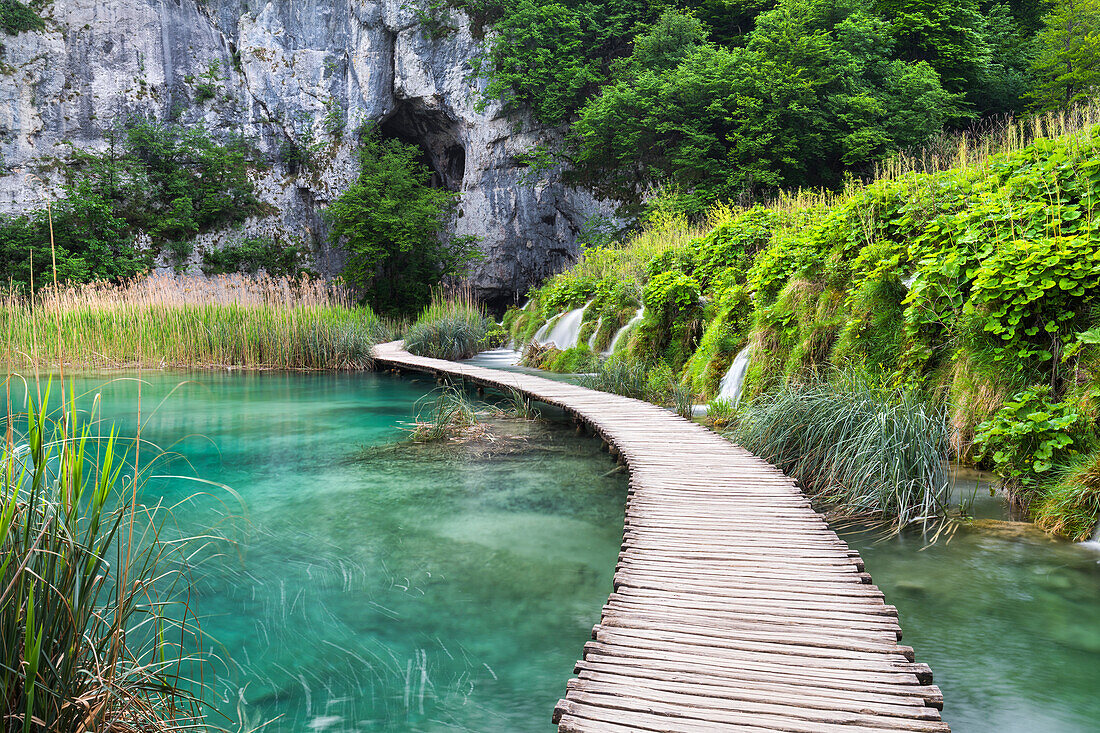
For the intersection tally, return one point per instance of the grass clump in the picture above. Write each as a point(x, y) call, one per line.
point(868, 450)
point(161, 321)
point(624, 377)
point(449, 415)
point(453, 327)
point(93, 626)
point(1071, 503)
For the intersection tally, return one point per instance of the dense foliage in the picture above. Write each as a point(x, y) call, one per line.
point(977, 285)
point(17, 17)
point(161, 181)
point(252, 255)
point(723, 98)
point(392, 223)
point(454, 327)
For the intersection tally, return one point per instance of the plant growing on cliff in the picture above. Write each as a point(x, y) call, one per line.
point(16, 17)
point(393, 224)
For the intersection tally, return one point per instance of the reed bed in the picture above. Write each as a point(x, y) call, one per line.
point(868, 450)
point(453, 326)
point(164, 321)
point(95, 631)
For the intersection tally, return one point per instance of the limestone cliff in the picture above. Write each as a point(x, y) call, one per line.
point(307, 71)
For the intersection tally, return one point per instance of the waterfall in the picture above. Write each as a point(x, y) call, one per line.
point(595, 333)
point(730, 389)
point(565, 331)
point(540, 335)
point(1094, 541)
point(622, 331)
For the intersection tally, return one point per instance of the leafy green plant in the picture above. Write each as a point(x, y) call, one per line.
point(1028, 436)
point(669, 294)
point(94, 623)
point(392, 223)
point(17, 17)
point(252, 255)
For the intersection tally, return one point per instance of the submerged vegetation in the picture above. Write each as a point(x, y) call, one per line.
point(969, 275)
point(95, 631)
point(159, 321)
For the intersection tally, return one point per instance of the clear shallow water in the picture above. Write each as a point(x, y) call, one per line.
point(380, 590)
point(1008, 619)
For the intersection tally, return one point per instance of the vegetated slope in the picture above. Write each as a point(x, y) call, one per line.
point(978, 284)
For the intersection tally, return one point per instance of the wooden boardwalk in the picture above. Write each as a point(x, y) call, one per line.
point(735, 607)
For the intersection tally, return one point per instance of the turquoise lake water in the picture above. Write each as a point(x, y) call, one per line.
point(373, 588)
point(379, 589)
point(1008, 618)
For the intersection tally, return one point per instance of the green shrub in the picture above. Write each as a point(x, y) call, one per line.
point(669, 294)
point(16, 17)
point(1028, 436)
point(253, 255)
point(392, 224)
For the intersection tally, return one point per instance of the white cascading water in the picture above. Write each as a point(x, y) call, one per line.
point(1094, 542)
point(730, 388)
point(540, 335)
point(595, 333)
point(566, 330)
point(622, 331)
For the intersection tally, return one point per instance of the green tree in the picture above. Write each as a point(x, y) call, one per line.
point(817, 88)
point(91, 242)
point(392, 223)
point(1067, 55)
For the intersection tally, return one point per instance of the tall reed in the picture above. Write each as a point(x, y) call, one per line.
point(869, 450)
point(95, 633)
point(453, 326)
point(163, 321)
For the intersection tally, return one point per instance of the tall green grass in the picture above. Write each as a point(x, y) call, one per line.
point(870, 451)
point(159, 321)
point(94, 628)
point(453, 326)
point(1070, 504)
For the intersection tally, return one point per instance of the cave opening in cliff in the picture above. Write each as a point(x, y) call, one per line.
point(435, 134)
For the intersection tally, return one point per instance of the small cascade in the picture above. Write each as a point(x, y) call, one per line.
point(566, 329)
point(540, 335)
point(1094, 541)
point(730, 388)
point(622, 331)
point(595, 333)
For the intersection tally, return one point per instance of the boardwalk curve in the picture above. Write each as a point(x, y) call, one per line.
point(734, 606)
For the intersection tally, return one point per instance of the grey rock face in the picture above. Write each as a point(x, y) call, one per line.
point(309, 71)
